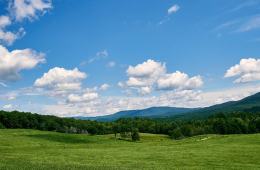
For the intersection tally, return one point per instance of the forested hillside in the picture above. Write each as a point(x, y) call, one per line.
point(230, 123)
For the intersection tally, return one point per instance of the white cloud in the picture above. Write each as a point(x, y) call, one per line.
point(85, 97)
point(22, 9)
point(112, 104)
point(247, 70)
point(11, 98)
point(104, 87)
point(60, 79)
point(68, 110)
point(121, 84)
point(19, 10)
point(143, 76)
point(8, 106)
point(179, 80)
point(87, 106)
point(139, 82)
point(4, 21)
point(7, 96)
point(173, 9)
point(225, 95)
point(145, 90)
point(151, 74)
point(13, 62)
point(149, 68)
point(8, 37)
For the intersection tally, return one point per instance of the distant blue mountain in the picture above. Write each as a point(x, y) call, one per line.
point(248, 104)
point(153, 112)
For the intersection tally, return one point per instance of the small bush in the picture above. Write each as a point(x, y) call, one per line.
point(135, 135)
point(176, 134)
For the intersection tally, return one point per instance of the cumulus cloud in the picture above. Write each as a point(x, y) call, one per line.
point(85, 97)
point(246, 71)
point(173, 9)
point(138, 82)
point(19, 10)
point(4, 21)
point(145, 90)
point(150, 74)
point(104, 87)
point(8, 37)
point(13, 62)
point(179, 80)
point(112, 104)
point(22, 9)
point(60, 79)
point(89, 103)
point(149, 68)
point(68, 110)
point(144, 75)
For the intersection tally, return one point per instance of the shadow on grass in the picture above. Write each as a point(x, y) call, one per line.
point(62, 138)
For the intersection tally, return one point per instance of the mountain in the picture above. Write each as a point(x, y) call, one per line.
point(248, 104)
point(153, 112)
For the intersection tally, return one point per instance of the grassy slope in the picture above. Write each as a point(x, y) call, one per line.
point(30, 149)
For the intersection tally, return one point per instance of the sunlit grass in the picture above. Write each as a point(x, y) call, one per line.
point(30, 149)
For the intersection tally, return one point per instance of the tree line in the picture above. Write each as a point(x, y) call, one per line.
point(222, 123)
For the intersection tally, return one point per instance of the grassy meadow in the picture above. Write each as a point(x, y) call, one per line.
point(32, 149)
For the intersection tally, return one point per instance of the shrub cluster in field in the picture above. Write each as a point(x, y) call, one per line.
point(231, 123)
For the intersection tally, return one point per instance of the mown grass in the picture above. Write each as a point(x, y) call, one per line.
point(31, 149)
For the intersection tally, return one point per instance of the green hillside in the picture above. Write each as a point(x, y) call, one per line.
point(31, 149)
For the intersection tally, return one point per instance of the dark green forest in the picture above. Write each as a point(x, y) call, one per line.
point(221, 123)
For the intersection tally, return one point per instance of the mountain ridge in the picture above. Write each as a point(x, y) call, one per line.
point(245, 104)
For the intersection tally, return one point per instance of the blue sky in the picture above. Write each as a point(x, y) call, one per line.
point(100, 57)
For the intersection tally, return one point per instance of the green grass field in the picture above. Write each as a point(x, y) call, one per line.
point(31, 149)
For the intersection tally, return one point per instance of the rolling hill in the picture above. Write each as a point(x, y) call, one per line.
point(251, 103)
